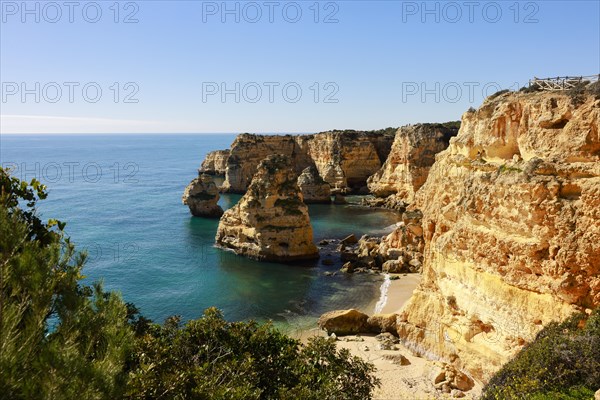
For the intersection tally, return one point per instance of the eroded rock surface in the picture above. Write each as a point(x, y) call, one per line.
point(344, 322)
point(215, 163)
point(413, 153)
point(344, 159)
point(314, 188)
point(511, 221)
point(270, 222)
point(201, 196)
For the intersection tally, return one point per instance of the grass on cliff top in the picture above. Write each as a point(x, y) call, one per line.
point(563, 362)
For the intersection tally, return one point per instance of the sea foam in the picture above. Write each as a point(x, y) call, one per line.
point(384, 294)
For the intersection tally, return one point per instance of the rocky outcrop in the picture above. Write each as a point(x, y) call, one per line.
point(511, 221)
point(399, 252)
point(381, 323)
point(314, 188)
point(215, 163)
point(270, 222)
point(344, 159)
point(412, 155)
point(248, 150)
point(344, 322)
point(201, 196)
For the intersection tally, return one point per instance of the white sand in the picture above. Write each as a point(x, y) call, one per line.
point(408, 382)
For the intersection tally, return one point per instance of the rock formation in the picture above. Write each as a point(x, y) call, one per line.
point(270, 222)
point(248, 150)
point(344, 159)
point(399, 252)
point(344, 322)
point(412, 155)
point(215, 163)
point(314, 188)
point(201, 196)
point(511, 220)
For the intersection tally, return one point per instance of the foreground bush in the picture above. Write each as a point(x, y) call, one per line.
point(210, 358)
point(563, 362)
point(63, 340)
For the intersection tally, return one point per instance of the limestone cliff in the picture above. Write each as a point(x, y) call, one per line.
point(344, 159)
point(201, 196)
point(314, 189)
point(270, 222)
point(412, 155)
point(511, 220)
point(215, 163)
point(248, 150)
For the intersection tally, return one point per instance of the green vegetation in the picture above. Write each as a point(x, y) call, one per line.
point(563, 362)
point(451, 125)
point(498, 93)
point(210, 358)
point(531, 88)
point(507, 169)
point(60, 339)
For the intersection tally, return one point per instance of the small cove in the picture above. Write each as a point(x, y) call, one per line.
point(144, 243)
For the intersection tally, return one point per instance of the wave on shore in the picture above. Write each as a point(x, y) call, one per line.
point(384, 294)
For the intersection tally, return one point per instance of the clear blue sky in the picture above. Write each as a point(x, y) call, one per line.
point(378, 56)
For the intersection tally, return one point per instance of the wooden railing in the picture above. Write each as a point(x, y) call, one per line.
point(562, 82)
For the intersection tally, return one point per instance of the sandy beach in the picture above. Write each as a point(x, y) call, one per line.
point(413, 381)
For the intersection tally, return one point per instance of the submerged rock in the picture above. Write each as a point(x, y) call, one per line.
point(201, 196)
point(270, 222)
point(314, 188)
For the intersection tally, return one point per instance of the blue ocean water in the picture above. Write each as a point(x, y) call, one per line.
point(121, 198)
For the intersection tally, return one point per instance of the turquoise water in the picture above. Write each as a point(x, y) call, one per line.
point(121, 198)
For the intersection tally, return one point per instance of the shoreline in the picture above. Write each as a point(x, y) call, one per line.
point(396, 294)
point(398, 382)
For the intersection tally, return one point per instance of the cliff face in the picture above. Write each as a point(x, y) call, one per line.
point(215, 163)
point(511, 220)
point(412, 155)
point(347, 159)
point(344, 159)
point(248, 150)
point(201, 196)
point(270, 222)
point(314, 188)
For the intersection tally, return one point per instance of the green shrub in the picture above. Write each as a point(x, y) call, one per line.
point(62, 340)
point(210, 358)
point(564, 360)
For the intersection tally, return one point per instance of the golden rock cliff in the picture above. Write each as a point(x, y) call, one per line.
point(511, 223)
point(215, 163)
point(412, 155)
point(344, 159)
point(270, 222)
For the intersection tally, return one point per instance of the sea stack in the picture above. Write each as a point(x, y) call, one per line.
point(314, 188)
point(201, 196)
point(270, 222)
